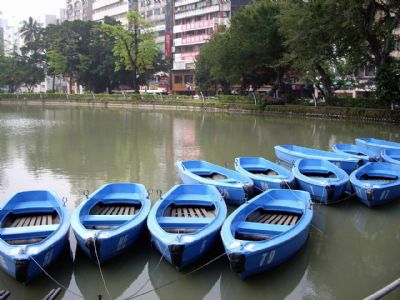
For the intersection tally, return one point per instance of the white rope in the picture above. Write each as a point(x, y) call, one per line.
point(176, 279)
point(54, 280)
point(101, 273)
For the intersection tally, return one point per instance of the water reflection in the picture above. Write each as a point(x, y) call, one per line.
point(61, 270)
point(352, 250)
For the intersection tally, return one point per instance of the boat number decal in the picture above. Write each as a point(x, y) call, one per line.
point(203, 246)
point(224, 193)
point(385, 194)
point(264, 186)
point(122, 242)
point(48, 257)
point(270, 256)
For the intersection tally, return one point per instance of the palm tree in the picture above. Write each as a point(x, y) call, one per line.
point(30, 30)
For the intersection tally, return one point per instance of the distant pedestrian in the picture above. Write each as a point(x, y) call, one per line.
point(188, 89)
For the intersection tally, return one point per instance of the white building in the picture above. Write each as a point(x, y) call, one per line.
point(154, 11)
point(78, 10)
point(116, 9)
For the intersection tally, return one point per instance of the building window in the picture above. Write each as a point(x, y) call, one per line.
point(188, 78)
point(178, 79)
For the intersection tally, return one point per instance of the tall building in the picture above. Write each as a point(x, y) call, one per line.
point(2, 36)
point(194, 23)
point(78, 10)
point(154, 11)
point(116, 9)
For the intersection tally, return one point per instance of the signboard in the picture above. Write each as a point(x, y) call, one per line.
point(167, 44)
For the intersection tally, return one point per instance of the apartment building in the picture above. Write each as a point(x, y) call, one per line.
point(78, 10)
point(155, 12)
point(116, 9)
point(194, 23)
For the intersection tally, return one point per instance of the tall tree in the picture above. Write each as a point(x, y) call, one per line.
point(134, 46)
point(30, 30)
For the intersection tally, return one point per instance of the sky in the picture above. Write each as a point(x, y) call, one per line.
point(16, 11)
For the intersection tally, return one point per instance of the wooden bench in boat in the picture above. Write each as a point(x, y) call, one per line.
point(318, 173)
point(33, 219)
point(379, 178)
point(190, 211)
point(115, 209)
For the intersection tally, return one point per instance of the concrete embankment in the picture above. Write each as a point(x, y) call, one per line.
point(158, 102)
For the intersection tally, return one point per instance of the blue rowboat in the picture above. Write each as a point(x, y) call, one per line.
point(34, 229)
point(111, 219)
point(377, 183)
point(233, 186)
point(391, 156)
point(267, 230)
point(291, 153)
point(376, 145)
point(185, 222)
point(324, 181)
point(356, 151)
point(264, 173)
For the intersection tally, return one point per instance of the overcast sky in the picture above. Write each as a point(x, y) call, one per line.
point(17, 10)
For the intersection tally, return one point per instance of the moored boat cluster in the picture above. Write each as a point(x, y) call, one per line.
point(271, 223)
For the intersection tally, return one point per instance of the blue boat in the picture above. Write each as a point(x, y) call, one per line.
point(291, 153)
point(324, 181)
point(264, 173)
point(391, 156)
point(233, 186)
point(356, 151)
point(34, 229)
point(111, 219)
point(267, 230)
point(377, 183)
point(185, 222)
point(376, 145)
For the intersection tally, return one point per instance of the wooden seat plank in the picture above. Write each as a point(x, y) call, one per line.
point(49, 220)
point(27, 221)
point(132, 210)
point(282, 220)
point(264, 218)
point(270, 219)
point(294, 220)
point(15, 223)
point(288, 220)
point(33, 220)
point(276, 220)
point(126, 210)
point(38, 220)
point(203, 212)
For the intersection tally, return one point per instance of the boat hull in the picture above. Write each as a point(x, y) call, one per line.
point(291, 153)
point(356, 151)
point(377, 183)
point(111, 220)
point(178, 235)
point(265, 232)
point(391, 156)
point(325, 190)
point(376, 145)
point(28, 247)
point(235, 189)
point(253, 167)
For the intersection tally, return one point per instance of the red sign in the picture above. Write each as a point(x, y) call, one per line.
point(167, 44)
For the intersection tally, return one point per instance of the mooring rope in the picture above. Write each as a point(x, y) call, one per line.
point(54, 280)
point(176, 279)
point(151, 272)
point(101, 272)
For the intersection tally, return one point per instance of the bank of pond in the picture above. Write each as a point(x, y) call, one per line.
point(271, 223)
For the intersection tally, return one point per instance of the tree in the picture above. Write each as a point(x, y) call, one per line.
point(30, 30)
point(250, 47)
point(134, 47)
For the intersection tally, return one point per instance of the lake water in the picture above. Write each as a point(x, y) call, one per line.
point(352, 250)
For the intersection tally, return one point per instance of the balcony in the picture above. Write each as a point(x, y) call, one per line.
point(185, 2)
point(114, 11)
point(191, 40)
point(196, 12)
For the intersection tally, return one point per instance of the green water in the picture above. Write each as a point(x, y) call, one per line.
point(352, 250)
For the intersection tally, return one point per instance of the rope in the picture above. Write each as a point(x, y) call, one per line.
point(176, 279)
point(101, 273)
point(152, 271)
point(54, 280)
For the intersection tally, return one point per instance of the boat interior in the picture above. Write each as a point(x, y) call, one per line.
point(110, 215)
point(186, 218)
point(385, 178)
point(28, 228)
point(213, 176)
point(266, 172)
point(318, 173)
point(264, 224)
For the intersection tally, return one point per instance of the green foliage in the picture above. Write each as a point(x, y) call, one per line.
point(248, 52)
point(388, 82)
point(360, 102)
point(134, 47)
